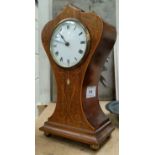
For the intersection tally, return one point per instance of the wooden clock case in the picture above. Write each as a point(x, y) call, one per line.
point(77, 117)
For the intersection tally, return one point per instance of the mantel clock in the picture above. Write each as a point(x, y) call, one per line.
point(77, 44)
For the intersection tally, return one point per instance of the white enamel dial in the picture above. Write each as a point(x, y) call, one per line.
point(69, 43)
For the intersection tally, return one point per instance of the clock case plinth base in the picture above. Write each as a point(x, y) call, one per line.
point(76, 116)
point(96, 137)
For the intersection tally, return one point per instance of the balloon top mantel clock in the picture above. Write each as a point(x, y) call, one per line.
point(77, 44)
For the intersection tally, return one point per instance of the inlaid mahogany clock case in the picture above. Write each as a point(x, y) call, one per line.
point(77, 117)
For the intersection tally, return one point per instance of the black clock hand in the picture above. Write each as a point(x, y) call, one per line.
point(62, 37)
point(66, 43)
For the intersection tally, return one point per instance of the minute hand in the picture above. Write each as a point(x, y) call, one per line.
point(59, 41)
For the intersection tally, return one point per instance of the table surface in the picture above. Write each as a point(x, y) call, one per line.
point(60, 146)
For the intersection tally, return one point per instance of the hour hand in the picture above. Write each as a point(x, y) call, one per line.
point(62, 37)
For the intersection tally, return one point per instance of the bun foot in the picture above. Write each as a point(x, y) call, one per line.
point(95, 146)
point(47, 134)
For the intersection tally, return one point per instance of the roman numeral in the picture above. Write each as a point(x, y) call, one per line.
point(68, 61)
point(80, 33)
point(61, 59)
point(75, 58)
point(67, 26)
point(80, 51)
point(60, 29)
point(82, 42)
point(54, 45)
point(75, 27)
point(56, 53)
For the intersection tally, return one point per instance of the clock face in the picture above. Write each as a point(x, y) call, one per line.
point(69, 43)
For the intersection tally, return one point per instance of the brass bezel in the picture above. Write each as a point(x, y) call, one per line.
point(87, 42)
